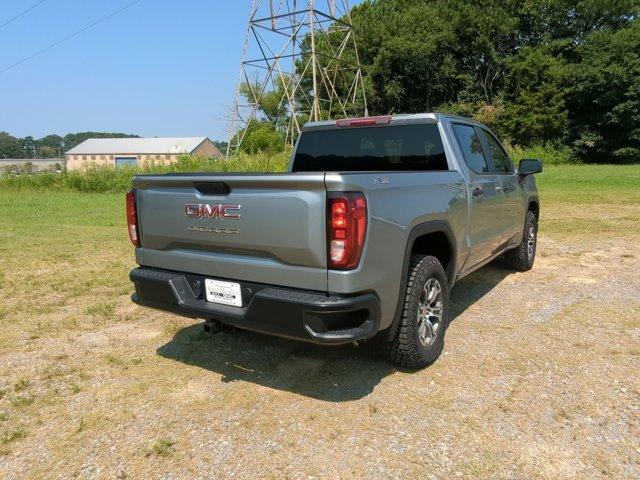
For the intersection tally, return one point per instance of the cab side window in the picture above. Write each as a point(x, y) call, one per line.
point(501, 162)
point(471, 147)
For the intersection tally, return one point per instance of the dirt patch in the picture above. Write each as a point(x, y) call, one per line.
point(539, 379)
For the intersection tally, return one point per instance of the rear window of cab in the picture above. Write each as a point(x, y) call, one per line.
point(380, 148)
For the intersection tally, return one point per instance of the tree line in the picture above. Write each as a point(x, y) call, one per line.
point(551, 73)
point(50, 146)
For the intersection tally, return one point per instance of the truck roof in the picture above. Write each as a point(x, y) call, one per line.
point(397, 119)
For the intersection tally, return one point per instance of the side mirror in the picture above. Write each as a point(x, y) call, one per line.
point(529, 166)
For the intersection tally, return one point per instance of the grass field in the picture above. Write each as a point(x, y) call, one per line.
point(105, 179)
point(539, 378)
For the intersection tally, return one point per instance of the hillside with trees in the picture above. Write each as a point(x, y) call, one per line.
point(555, 74)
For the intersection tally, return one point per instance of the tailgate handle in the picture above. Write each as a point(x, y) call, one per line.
point(212, 188)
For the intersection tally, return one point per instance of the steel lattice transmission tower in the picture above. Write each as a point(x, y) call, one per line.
point(300, 58)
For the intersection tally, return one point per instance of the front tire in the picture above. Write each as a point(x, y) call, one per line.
point(419, 338)
point(522, 257)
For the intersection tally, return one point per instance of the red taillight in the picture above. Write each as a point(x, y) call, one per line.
point(132, 218)
point(364, 122)
point(347, 226)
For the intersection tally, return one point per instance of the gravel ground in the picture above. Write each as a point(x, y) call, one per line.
point(539, 379)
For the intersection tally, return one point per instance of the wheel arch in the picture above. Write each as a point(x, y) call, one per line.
point(533, 205)
point(431, 238)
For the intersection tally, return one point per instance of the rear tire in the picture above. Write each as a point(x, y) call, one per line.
point(522, 257)
point(419, 338)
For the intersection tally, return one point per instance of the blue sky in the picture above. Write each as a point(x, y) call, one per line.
point(160, 68)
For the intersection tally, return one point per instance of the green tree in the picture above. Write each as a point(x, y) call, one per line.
point(29, 147)
point(10, 147)
point(50, 146)
point(405, 54)
point(272, 104)
point(535, 98)
point(221, 145)
point(73, 139)
point(266, 132)
point(603, 95)
point(540, 71)
point(262, 136)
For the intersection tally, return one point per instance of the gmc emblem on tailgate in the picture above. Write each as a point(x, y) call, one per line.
point(219, 210)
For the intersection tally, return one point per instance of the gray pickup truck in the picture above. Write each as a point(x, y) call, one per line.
point(364, 237)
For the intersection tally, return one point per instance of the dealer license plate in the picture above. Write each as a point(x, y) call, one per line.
point(225, 293)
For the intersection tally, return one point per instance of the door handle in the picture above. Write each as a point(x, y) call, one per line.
point(477, 192)
point(508, 188)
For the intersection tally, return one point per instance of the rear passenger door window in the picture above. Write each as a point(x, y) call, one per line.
point(471, 147)
point(499, 158)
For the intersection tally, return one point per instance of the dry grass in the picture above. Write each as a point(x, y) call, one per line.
point(539, 378)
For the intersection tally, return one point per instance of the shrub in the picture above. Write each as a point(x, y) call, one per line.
point(549, 155)
point(105, 179)
point(263, 137)
point(163, 447)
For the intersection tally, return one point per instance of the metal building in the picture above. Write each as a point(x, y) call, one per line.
point(117, 152)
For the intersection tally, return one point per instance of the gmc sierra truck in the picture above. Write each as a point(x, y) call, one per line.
point(364, 237)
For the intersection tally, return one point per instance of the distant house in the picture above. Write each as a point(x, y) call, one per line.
point(118, 152)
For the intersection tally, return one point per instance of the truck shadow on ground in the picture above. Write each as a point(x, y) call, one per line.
point(334, 374)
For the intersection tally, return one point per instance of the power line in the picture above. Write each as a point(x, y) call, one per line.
point(69, 37)
point(21, 13)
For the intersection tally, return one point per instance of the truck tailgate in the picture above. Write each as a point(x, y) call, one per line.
point(278, 239)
